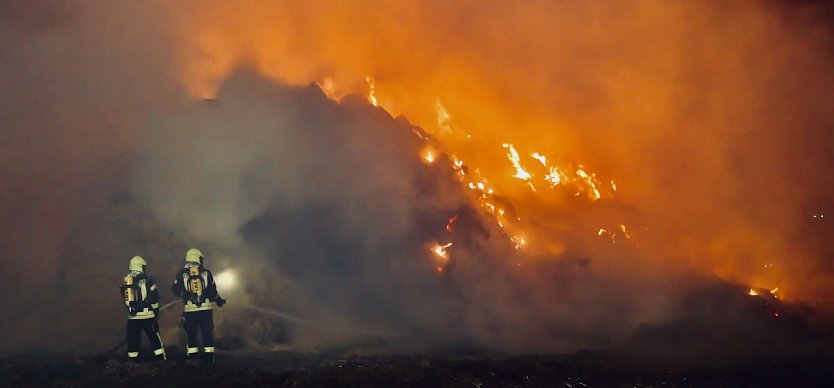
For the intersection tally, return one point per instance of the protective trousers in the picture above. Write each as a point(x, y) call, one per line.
point(202, 322)
point(135, 327)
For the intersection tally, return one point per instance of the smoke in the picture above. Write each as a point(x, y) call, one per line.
point(148, 129)
point(329, 212)
point(76, 79)
point(705, 115)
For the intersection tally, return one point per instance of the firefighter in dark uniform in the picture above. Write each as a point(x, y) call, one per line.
point(141, 298)
point(195, 285)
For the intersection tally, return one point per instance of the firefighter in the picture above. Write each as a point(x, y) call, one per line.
point(141, 298)
point(195, 285)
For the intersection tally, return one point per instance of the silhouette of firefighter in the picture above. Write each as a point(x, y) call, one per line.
point(141, 298)
point(195, 284)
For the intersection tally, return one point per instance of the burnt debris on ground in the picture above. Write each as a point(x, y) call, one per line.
point(292, 369)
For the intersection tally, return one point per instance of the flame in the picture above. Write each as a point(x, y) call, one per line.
point(441, 255)
point(541, 158)
point(775, 293)
point(590, 180)
point(519, 241)
point(612, 234)
point(484, 194)
point(625, 232)
point(515, 159)
point(328, 87)
point(554, 177)
point(440, 250)
point(451, 223)
point(371, 91)
point(429, 155)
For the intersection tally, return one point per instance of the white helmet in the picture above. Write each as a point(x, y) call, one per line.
point(137, 263)
point(193, 256)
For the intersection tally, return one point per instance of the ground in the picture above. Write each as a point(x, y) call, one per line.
point(292, 369)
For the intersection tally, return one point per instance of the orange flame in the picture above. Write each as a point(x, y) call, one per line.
point(440, 250)
point(371, 91)
point(429, 155)
point(520, 173)
point(451, 223)
point(441, 255)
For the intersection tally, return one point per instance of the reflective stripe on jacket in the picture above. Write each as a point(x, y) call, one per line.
point(148, 297)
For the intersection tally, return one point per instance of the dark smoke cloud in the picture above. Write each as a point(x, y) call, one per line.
point(75, 78)
point(324, 210)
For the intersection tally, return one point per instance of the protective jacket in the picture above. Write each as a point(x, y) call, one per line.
point(195, 285)
point(141, 296)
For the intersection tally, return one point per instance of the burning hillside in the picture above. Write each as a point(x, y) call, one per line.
point(654, 109)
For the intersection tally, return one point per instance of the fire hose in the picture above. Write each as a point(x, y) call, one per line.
point(275, 313)
point(124, 341)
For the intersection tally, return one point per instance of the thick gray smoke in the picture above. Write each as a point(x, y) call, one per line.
point(328, 213)
point(323, 210)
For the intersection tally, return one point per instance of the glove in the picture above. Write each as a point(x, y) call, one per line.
point(156, 313)
point(132, 310)
point(176, 289)
point(220, 301)
point(182, 321)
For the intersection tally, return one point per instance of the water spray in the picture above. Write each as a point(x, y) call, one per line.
point(227, 280)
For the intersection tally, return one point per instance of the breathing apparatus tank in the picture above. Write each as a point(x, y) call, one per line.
point(195, 282)
point(129, 289)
